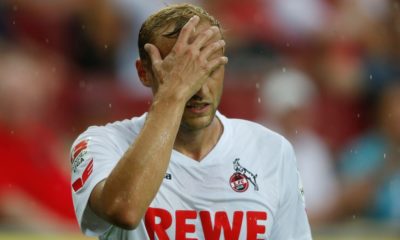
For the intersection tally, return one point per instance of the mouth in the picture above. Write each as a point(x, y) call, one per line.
point(197, 107)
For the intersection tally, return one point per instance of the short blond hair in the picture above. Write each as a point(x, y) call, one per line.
point(178, 14)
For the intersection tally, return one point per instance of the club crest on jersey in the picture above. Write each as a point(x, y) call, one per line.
point(242, 178)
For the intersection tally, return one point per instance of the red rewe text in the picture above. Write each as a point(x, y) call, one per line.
point(158, 220)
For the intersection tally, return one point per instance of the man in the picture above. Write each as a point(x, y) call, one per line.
point(183, 170)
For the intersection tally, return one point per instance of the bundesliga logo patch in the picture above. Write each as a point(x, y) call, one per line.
point(79, 158)
point(79, 150)
point(242, 178)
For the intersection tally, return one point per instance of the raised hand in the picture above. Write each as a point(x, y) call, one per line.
point(189, 63)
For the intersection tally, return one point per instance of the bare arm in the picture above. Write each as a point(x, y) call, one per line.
point(123, 198)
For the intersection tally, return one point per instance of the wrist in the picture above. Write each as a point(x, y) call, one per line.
point(168, 97)
point(167, 112)
point(169, 103)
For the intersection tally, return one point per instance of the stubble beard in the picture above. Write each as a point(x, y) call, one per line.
point(198, 123)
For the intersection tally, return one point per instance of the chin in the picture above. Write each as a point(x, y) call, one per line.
point(197, 123)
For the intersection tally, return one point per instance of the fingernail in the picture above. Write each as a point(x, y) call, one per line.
point(146, 46)
point(215, 28)
point(222, 42)
point(194, 17)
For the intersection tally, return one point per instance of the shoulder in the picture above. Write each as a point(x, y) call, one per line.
point(123, 130)
point(249, 130)
point(251, 138)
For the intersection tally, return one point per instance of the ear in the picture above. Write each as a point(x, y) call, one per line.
point(142, 73)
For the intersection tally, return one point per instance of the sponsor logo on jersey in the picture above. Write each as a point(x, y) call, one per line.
point(242, 178)
point(213, 226)
point(80, 182)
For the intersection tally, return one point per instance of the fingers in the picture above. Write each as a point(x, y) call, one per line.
point(212, 48)
point(203, 38)
point(216, 62)
point(153, 52)
point(187, 30)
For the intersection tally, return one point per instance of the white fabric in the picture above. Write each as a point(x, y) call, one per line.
point(315, 163)
point(197, 198)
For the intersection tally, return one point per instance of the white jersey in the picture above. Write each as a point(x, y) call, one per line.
point(247, 187)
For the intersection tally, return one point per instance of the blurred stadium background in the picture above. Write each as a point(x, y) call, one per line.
point(324, 73)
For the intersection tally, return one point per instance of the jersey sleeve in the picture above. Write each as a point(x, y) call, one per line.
point(291, 222)
point(93, 156)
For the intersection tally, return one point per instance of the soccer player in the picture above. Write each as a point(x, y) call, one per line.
point(183, 170)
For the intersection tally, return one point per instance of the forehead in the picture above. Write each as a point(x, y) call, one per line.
point(165, 44)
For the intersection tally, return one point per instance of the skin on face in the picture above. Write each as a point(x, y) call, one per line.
point(201, 108)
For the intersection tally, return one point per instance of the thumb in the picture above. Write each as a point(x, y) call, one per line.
point(153, 52)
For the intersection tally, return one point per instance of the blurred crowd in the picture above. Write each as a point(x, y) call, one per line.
point(324, 73)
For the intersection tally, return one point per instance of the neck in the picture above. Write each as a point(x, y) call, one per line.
point(196, 144)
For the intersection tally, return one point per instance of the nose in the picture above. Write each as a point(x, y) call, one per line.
point(202, 93)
